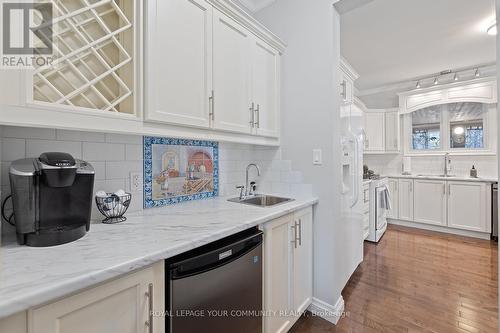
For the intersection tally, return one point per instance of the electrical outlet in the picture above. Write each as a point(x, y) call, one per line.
point(135, 182)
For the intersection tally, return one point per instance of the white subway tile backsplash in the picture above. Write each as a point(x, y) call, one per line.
point(103, 151)
point(29, 133)
point(100, 169)
point(36, 147)
point(122, 169)
point(123, 138)
point(292, 177)
point(13, 149)
point(133, 152)
point(65, 135)
point(115, 156)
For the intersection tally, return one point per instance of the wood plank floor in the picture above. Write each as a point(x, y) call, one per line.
point(419, 281)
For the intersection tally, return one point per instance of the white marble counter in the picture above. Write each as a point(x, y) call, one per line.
point(437, 177)
point(32, 276)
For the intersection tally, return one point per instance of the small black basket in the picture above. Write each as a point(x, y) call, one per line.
point(113, 206)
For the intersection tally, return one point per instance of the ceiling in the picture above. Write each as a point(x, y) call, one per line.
point(391, 41)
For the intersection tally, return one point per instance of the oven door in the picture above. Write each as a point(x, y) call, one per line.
point(380, 211)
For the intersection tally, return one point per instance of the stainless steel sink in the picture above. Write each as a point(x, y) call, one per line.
point(262, 200)
point(440, 176)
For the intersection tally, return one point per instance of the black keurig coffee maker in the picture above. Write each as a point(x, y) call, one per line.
point(52, 198)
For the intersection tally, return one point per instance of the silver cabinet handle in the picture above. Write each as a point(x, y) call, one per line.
point(449, 189)
point(149, 295)
point(252, 113)
point(444, 189)
point(411, 186)
point(257, 110)
point(211, 106)
point(300, 232)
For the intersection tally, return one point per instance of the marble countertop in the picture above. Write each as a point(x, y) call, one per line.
point(31, 276)
point(437, 177)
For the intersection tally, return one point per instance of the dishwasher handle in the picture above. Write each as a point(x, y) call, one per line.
point(214, 258)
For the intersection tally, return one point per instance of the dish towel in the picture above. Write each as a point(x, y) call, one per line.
point(385, 200)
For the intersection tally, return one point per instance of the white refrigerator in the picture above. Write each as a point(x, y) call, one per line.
point(352, 143)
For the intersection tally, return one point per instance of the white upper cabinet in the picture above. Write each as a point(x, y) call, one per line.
point(231, 100)
point(200, 69)
point(430, 202)
point(469, 206)
point(265, 88)
point(392, 131)
point(374, 124)
point(347, 77)
point(179, 67)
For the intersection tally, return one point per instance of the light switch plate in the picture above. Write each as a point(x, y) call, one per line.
point(317, 157)
point(135, 182)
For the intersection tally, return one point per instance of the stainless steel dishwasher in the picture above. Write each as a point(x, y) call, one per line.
point(217, 288)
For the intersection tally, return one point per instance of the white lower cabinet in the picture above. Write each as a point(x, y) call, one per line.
point(14, 324)
point(405, 199)
point(287, 269)
point(393, 189)
point(122, 305)
point(430, 202)
point(469, 206)
point(463, 205)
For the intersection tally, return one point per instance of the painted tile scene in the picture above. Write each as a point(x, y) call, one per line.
point(179, 170)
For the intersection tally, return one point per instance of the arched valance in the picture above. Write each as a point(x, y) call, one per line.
point(480, 91)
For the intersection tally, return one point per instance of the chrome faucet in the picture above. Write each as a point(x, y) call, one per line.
point(248, 190)
point(446, 162)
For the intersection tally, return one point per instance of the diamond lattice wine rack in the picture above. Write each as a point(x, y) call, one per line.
point(93, 63)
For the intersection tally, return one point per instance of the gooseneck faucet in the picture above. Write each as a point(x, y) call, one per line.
point(247, 185)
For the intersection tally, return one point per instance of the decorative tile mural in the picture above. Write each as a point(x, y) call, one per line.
point(177, 170)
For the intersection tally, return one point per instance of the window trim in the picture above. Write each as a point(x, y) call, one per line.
point(490, 146)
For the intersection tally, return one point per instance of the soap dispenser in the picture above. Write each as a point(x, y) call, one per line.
point(473, 172)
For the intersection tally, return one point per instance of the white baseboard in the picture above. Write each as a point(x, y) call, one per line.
point(331, 313)
point(437, 228)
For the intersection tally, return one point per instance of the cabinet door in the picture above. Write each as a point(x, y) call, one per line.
point(374, 127)
point(231, 75)
point(393, 189)
point(405, 204)
point(179, 71)
point(14, 324)
point(392, 131)
point(277, 279)
point(265, 88)
point(468, 206)
point(430, 202)
point(118, 306)
point(302, 261)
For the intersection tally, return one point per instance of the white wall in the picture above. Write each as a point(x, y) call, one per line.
point(310, 119)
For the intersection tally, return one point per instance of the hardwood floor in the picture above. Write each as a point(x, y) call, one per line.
point(419, 281)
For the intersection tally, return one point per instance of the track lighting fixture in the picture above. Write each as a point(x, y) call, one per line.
point(436, 81)
point(418, 84)
point(455, 78)
point(477, 73)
